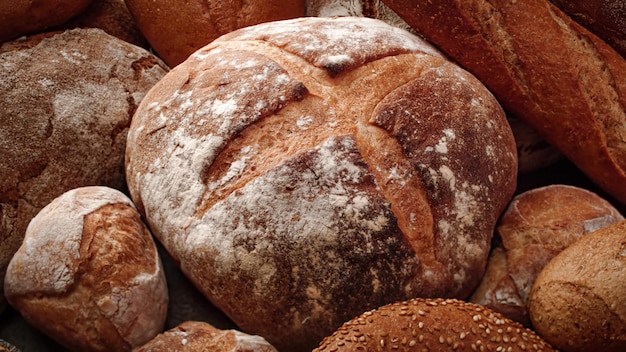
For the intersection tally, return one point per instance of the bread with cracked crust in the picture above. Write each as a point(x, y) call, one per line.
point(303, 171)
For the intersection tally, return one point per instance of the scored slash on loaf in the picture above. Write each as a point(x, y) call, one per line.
point(303, 171)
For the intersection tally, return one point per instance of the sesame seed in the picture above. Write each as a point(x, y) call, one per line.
point(462, 336)
point(382, 343)
point(420, 324)
point(475, 317)
point(421, 312)
point(412, 343)
point(441, 339)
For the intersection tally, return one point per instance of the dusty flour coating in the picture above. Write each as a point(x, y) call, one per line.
point(49, 257)
point(289, 234)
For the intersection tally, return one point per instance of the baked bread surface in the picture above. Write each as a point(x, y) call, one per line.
point(304, 171)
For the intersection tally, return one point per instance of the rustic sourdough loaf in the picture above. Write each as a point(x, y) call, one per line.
point(88, 273)
point(543, 67)
point(536, 226)
point(67, 101)
point(304, 171)
point(193, 336)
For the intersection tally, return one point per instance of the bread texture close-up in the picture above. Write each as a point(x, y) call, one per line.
point(25, 17)
point(67, 100)
point(537, 225)
point(194, 336)
point(88, 273)
point(545, 68)
point(175, 28)
point(304, 171)
point(577, 301)
point(435, 325)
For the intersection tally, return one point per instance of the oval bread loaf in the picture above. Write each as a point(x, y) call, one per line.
point(304, 171)
point(88, 273)
point(577, 302)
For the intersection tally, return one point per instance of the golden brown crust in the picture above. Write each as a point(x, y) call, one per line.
point(193, 336)
point(67, 100)
point(88, 273)
point(545, 68)
point(23, 17)
point(175, 31)
point(537, 225)
point(577, 301)
point(341, 179)
point(436, 325)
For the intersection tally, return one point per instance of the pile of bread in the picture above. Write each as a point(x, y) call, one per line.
point(331, 175)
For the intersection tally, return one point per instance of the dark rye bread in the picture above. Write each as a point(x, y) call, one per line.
point(67, 100)
point(434, 325)
point(545, 68)
point(304, 171)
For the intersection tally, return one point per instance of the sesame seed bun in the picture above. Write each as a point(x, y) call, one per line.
point(433, 325)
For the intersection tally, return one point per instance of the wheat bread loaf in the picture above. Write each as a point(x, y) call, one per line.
point(88, 273)
point(435, 325)
point(545, 68)
point(67, 100)
point(577, 301)
point(537, 225)
point(304, 171)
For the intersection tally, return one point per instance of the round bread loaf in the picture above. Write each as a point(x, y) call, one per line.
point(67, 101)
point(193, 336)
point(577, 302)
point(304, 171)
point(176, 29)
point(88, 273)
point(434, 325)
point(537, 225)
point(605, 18)
point(21, 17)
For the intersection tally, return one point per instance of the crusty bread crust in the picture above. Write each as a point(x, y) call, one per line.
point(88, 273)
point(435, 325)
point(536, 226)
point(542, 66)
point(193, 336)
point(299, 183)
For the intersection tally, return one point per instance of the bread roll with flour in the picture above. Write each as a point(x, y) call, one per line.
point(88, 273)
point(304, 171)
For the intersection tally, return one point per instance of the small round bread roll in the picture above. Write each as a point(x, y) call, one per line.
point(88, 273)
point(304, 171)
point(21, 17)
point(537, 225)
point(193, 336)
point(67, 100)
point(176, 29)
point(434, 325)
point(578, 301)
